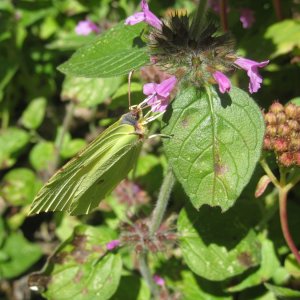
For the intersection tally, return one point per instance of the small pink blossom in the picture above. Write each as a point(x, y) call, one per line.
point(223, 82)
point(159, 280)
point(145, 16)
point(251, 67)
point(247, 17)
point(159, 94)
point(215, 6)
point(86, 27)
point(112, 245)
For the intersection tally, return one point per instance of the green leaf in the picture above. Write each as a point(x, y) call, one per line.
point(33, 115)
point(215, 145)
point(269, 265)
point(219, 245)
point(17, 261)
point(282, 292)
point(292, 266)
point(20, 186)
point(81, 268)
point(285, 36)
point(114, 53)
point(12, 142)
point(89, 92)
point(41, 155)
point(132, 288)
point(193, 288)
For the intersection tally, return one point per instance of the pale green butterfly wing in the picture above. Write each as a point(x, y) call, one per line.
point(80, 185)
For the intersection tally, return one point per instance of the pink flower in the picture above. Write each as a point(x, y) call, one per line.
point(86, 27)
point(159, 280)
point(223, 82)
point(247, 17)
point(251, 67)
point(159, 94)
point(112, 245)
point(145, 16)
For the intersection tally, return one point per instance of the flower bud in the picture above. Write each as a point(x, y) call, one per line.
point(297, 158)
point(293, 124)
point(291, 110)
point(295, 143)
point(270, 118)
point(267, 143)
point(281, 117)
point(286, 159)
point(280, 145)
point(276, 107)
point(262, 185)
point(271, 130)
point(283, 130)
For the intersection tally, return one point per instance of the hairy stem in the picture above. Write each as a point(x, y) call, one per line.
point(59, 141)
point(162, 201)
point(146, 273)
point(284, 223)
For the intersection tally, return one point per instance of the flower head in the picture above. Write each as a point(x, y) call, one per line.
point(113, 244)
point(251, 67)
point(159, 280)
point(247, 17)
point(223, 82)
point(145, 16)
point(159, 94)
point(86, 27)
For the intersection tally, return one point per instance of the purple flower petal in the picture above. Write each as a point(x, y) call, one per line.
point(251, 67)
point(135, 18)
point(247, 17)
point(86, 27)
point(159, 94)
point(223, 82)
point(145, 16)
point(159, 280)
point(112, 244)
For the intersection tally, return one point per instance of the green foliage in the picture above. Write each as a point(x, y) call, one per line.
point(213, 143)
point(114, 53)
point(208, 235)
point(81, 268)
point(212, 151)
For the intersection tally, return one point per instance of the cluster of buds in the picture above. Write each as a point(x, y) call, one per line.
point(131, 193)
point(139, 236)
point(283, 133)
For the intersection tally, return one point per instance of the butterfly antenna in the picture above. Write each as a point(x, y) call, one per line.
point(129, 88)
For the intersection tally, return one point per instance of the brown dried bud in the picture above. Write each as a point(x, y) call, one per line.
point(293, 124)
point(267, 143)
point(270, 118)
point(280, 145)
point(286, 159)
point(283, 130)
point(276, 107)
point(291, 110)
point(281, 117)
point(298, 113)
point(271, 130)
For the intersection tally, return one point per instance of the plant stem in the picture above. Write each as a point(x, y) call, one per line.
point(284, 223)
point(223, 14)
point(59, 141)
point(278, 10)
point(269, 172)
point(146, 273)
point(162, 201)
